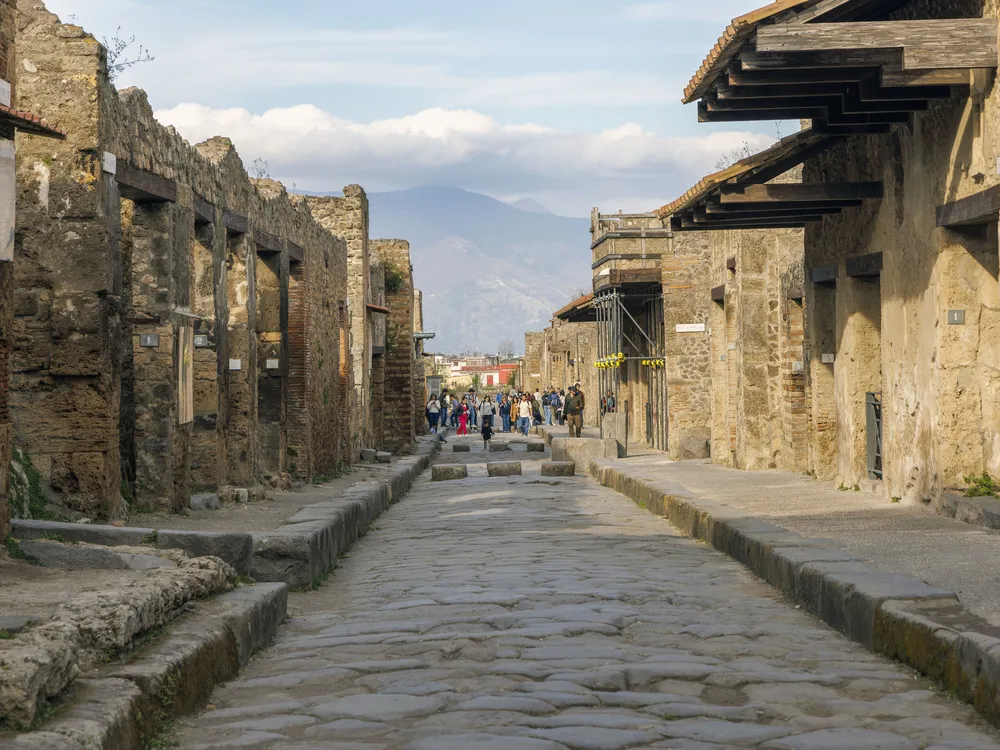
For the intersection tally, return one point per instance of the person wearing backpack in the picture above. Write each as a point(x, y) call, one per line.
point(433, 412)
point(574, 413)
point(547, 406)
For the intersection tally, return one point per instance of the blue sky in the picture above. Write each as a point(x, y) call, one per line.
point(571, 103)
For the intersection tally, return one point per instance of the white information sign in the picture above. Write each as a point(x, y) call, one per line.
point(110, 163)
point(8, 195)
point(274, 364)
point(4, 93)
point(690, 328)
point(828, 359)
point(798, 367)
point(731, 346)
point(236, 364)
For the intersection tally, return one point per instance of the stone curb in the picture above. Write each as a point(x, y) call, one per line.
point(978, 511)
point(121, 707)
point(306, 549)
point(891, 614)
point(234, 548)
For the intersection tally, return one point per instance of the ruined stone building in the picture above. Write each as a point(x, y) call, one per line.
point(13, 119)
point(856, 310)
point(178, 326)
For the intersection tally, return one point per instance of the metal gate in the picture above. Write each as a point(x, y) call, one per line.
point(873, 410)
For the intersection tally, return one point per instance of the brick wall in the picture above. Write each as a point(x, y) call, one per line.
point(399, 420)
point(7, 71)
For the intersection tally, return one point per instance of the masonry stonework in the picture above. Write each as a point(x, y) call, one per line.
point(400, 422)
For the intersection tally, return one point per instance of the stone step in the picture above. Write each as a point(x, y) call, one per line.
point(461, 448)
point(504, 469)
point(449, 472)
point(558, 468)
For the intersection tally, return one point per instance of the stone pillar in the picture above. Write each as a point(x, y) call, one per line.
point(821, 324)
point(206, 461)
point(347, 217)
point(686, 297)
point(7, 69)
point(240, 383)
point(298, 450)
point(378, 334)
point(400, 427)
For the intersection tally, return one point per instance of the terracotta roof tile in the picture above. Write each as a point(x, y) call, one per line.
point(29, 123)
point(575, 304)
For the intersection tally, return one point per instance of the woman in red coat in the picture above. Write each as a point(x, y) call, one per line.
point(463, 418)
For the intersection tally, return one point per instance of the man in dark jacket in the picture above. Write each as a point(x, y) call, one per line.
point(574, 412)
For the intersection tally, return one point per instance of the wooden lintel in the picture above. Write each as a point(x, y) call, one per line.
point(738, 221)
point(296, 254)
point(266, 242)
point(731, 263)
point(947, 77)
point(892, 59)
point(757, 224)
point(719, 293)
point(144, 187)
point(736, 76)
point(235, 223)
point(926, 44)
point(979, 208)
point(826, 128)
point(204, 211)
point(791, 210)
point(824, 274)
point(800, 192)
point(864, 266)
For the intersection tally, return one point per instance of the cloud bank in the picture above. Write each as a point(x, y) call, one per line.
point(625, 167)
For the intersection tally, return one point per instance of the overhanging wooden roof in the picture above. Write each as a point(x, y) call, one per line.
point(840, 63)
point(29, 123)
point(743, 197)
point(576, 310)
point(787, 153)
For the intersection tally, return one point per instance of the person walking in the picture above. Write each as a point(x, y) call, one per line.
point(574, 413)
point(560, 399)
point(463, 418)
point(505, 413)
point(487, 432)
point(443, 418)
point(433, 413)
point(547, 405)
point(471, 403)
point(487, 410)
point(524, 415)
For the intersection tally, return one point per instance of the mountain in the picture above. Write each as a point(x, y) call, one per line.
point(489, 271)
point(531, 206)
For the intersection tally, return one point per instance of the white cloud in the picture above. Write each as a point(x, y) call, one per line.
point(568, 171)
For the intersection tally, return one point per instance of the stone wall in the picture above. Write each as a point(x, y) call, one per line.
point(531, 366)
point(133, 271)
point(687, 300)
point(378, 329)
point(7, 73)
point(420, 394)
point(939, 383)
point(347, 217)
point(758, 380)
point(568, 355)
point(400, 421)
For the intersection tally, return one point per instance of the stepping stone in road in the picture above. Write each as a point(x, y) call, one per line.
point(507, 469)
point(447, 472)
point(536, 447)
point(499, 447)
point(461, 448)
point(558, 468)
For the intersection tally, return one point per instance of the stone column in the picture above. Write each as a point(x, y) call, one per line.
point(821, 324)
point(206, 462)
point(240, 383)
point(400, 427)
point(270, 412)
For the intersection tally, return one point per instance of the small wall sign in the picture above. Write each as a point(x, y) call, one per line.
point(798, 367)
point(722, 357)
point(273, 364)
point(201, 341)
point(731, 346)
point(4, 93)
point(690, 328)
point(236, 364)
point(956, 317)
point(828, 359)
point(109, 163)
point(151, 340)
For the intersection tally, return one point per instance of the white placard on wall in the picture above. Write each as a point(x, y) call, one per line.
point(690, 328)
point(110, 163)
point(828, 359)
point(236, 364)
point(4, 93)
point(273, 364)
point(8, 197)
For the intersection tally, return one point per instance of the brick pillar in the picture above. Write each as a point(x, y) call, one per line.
point(399, 423)
point(270, 411)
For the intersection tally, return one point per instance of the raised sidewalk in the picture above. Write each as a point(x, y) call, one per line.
point(902, 581)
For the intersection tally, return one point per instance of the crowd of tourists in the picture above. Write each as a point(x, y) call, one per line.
point(511, 411)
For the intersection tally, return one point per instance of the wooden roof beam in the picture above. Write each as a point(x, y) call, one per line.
point(925, 44)
point(853, 58)
point(801, 192)
point(793, 210)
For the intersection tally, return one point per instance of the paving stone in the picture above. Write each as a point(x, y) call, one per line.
point(270, 723)
point(14, 624)
point(558, 468)
point(205, 501)
point(445, 472)
point(482, 742)
point(506, 703)
point(595, 738)
point(506, 469)
point(145, 562)
point(380, 707)
point(741, 734)
point(838, 739)
point(499, 447)
point(53, 554)
point(536, 447)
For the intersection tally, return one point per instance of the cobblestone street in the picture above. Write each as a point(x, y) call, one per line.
point(531, 614)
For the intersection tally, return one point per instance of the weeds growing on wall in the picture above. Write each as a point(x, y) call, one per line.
point(981, 486)
point(393, 278)
point(27, 500)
